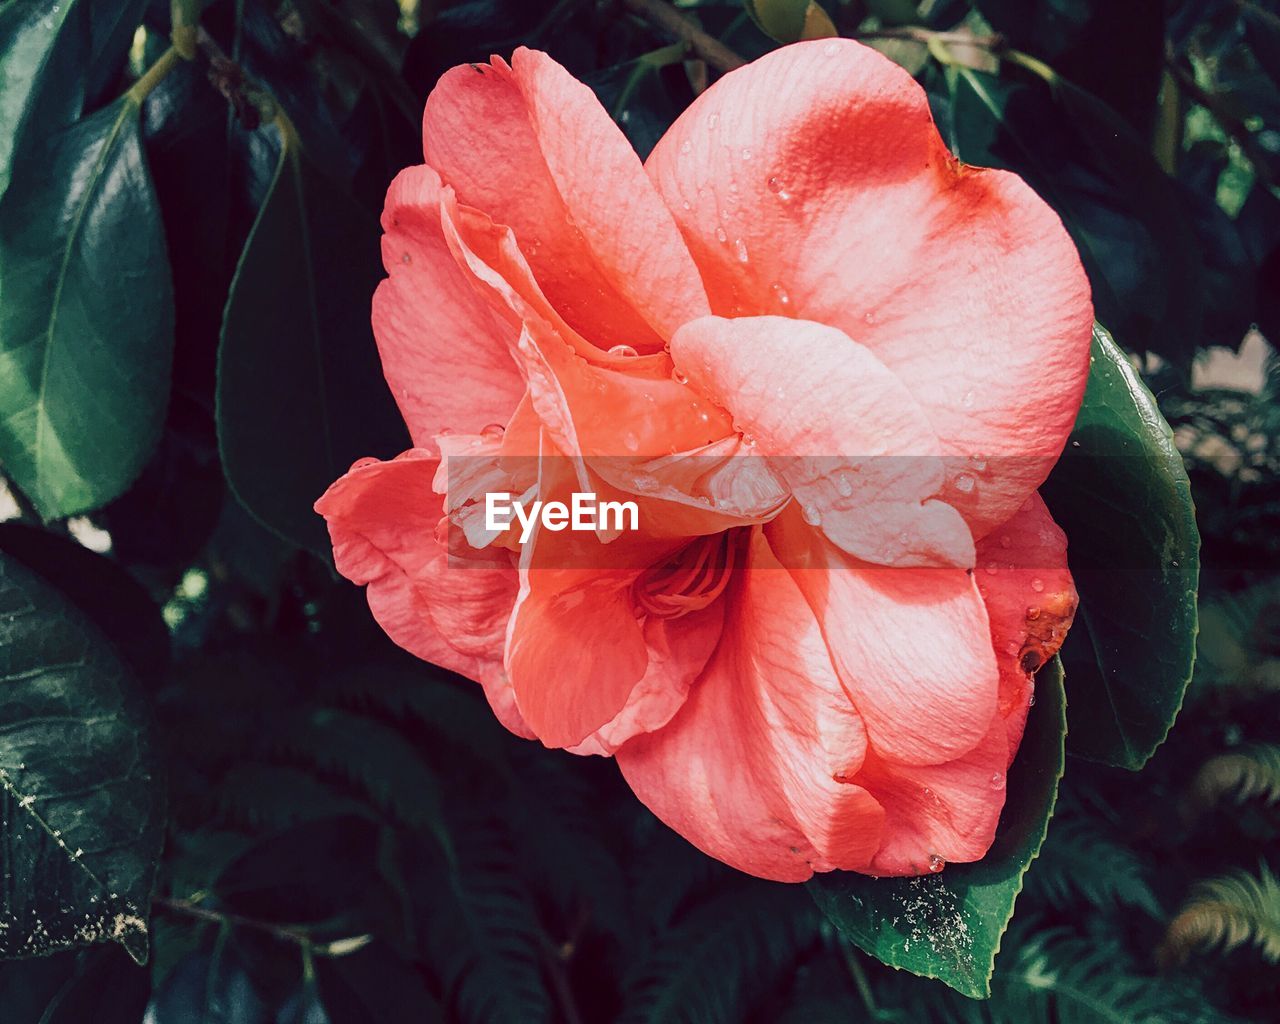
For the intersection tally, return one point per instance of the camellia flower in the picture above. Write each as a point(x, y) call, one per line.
point(829, 363)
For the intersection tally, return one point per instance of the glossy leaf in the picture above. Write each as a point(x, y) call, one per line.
point(300, 389)
point(948, 926)
point(1121, 494)
point(81, 823)
point(86, 315)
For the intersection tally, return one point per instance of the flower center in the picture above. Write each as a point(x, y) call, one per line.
point(692, 578)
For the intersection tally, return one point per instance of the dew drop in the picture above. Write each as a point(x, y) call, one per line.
point(1031, 701)
point(991, 568)
point(936, 863)
point(406, 258)
point(868, 318)
point(774, 184)
point(679, 377)
point(722, 236)
point(746, 154)
point(712, 121)
point(964, 483)
point(1037, 584)
point(1006, 541)
point(645, 484)
point(631, 442)
point(979, 463)
point(844, 485)
point(967, 400)
point(813, 517)
point(494, 432)
point(625, 351)
point(686, 147)
point(1075, 444)
point(748, 440)
point(782, 295)
point(1033, 613)
point(740, 250)
point(997, 780)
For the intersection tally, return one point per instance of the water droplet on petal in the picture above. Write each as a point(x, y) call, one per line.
point(782, 295)
point(748, 440)
point(444, 432)
point(997, 780)
point(746, 154)
point(979, 463)
point(631, 442)
point(967, 400)
point(1031, 701)
point(1037, 584)
point(991, 568)
point(686, 147)
point(1033, 613)
point(679, 377)
point(623, 350)
point(494, 432)
point(774, 184)
point(844, 485)
point(936, 863)
point(712, 121)
point(406, 258)
point(740, 250)
point(813, 516)
point(964, 483)
point(722, 235)
point(1006, 541)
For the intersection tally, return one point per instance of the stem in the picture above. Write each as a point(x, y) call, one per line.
point(184, 15)
point(671, 21)
point(152, 77)
point(555, 969)
point(299, 936)
point(859, 976)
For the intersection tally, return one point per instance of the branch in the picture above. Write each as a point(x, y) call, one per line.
point(671, 21)
point(1230, 124)
point(299, 936)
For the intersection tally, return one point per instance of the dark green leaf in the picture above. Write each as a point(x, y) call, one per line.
point(948, 926)
point(107, 989)
point(86, 315)
point(791, 20)
point(1121, 494)
point(82, 809)
point(374, 985)
point(300, 388)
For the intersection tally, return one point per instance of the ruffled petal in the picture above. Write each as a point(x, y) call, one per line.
point(813, 183)
point(938, 814)
point(512, 141)
point(1031, 600)
point(445, 351)
point(911, 645)
point(746, 769)
point(838, 427)
point(382, 519)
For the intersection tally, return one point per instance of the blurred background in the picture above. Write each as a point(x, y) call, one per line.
point(349, 835)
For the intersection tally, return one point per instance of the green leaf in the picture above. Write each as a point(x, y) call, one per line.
point(80, 808)
point(300, 390)
point(1121, 494)
point(948, 926)
point(86, 315)
point(791, 20)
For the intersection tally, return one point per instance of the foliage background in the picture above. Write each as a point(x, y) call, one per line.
point(337, 833)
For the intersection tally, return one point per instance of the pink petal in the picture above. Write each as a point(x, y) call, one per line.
point(445, 352)
point(911, 645)
point(1031, 600)
point(533, 148)
point(938, 814)
point(745, 771)
point(812, 183)
point(838, 427)
point(382, 518)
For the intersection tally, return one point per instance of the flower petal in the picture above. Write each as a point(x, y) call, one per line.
point(838, 427)
point(512, 142)
point(445, 352)
point(813, 183)
point(1031, 600)
point(745, 771)
point(382, 518)
point(938, 814)
point(911, 645)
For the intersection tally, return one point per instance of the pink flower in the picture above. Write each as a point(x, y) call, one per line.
point(830, 363)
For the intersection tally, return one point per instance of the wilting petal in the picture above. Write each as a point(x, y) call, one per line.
point(382, 518)
point(514, 142)
point(812, 183)
point(911, 646)
point(838, 427)
point(445, 352)
point(746, 769)
point(1031, 600)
